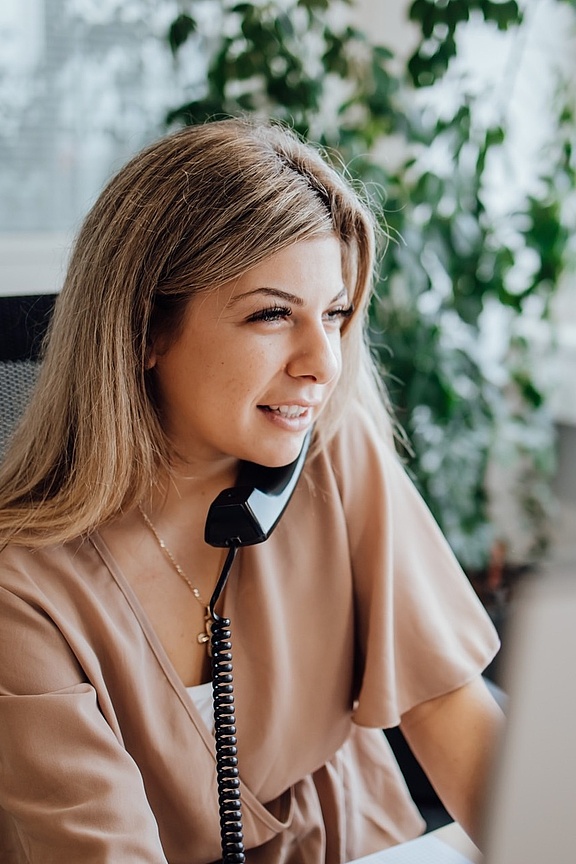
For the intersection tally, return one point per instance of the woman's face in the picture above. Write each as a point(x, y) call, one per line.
point(257, 359)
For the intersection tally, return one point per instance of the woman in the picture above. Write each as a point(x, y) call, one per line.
point(213, 313)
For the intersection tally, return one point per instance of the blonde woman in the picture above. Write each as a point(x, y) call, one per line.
point(212, 315)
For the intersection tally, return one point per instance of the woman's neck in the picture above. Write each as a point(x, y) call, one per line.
point(188, 490)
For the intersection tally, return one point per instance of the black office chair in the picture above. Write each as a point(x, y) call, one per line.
point(23, 323)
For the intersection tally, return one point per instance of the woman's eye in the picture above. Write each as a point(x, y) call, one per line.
point(340, 314)
point(272, 313)
point(280, 313)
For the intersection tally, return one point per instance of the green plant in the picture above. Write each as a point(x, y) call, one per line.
point(448, 261)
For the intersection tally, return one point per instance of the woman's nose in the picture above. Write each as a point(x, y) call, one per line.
point(317, 356)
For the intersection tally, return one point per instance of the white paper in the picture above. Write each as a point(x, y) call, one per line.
point(423, 850)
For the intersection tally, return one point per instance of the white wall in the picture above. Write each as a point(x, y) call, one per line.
point(387, 23)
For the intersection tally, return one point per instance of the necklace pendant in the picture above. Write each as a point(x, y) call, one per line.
point(205, 638)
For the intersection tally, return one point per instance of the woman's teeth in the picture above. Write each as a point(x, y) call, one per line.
point(288, 410)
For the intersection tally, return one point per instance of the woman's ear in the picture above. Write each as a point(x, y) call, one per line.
point(150, 357)
point(157, 345)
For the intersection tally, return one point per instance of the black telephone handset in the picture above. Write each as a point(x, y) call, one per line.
point(248, 512)
point(240, 516)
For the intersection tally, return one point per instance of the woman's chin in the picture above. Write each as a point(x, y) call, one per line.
point(280, 456)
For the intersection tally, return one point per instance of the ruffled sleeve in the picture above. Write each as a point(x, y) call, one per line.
point(422, 631)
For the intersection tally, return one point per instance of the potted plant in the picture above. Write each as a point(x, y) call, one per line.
point(448, 265)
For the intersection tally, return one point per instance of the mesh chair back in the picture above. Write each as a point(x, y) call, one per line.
point(23, 324)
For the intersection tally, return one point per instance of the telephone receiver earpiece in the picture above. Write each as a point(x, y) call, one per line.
point(247, 513)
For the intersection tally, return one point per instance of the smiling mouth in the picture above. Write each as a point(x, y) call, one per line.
point(288, 411)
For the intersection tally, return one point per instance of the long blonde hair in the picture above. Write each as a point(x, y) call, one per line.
point(192, 211)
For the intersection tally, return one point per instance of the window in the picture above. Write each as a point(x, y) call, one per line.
point(83, 85)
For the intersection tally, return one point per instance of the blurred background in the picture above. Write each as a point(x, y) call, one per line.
point(456, 116)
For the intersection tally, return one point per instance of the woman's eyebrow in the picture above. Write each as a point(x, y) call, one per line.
point(280, 295)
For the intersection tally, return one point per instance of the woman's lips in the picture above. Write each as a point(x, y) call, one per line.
point(291, 417)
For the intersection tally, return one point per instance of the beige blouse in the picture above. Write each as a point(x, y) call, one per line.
point(350, 614)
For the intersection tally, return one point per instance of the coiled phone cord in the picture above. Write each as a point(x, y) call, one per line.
point(227, 773)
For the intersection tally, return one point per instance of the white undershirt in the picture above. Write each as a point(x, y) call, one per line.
point(201, 695)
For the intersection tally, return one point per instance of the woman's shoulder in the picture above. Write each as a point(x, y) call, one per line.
point(22, 565)
point(362, 424)
point(363, 448)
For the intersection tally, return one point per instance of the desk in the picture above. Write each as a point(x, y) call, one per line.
point(448, 845)
point(454, 836)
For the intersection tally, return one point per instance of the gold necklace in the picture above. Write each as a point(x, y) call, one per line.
point(204, 637)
